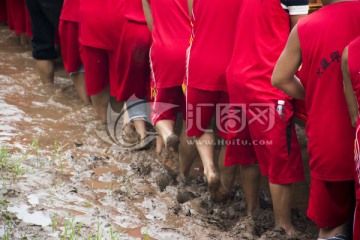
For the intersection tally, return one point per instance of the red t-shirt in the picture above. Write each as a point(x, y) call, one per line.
point(70, 10)
point(100, 23)
point(134, 11)
point(170, 35)
point(262, 31)
point(212, 45)
point(323, 36)
point(354, 69)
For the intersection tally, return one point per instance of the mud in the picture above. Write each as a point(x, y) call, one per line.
point(61, 178)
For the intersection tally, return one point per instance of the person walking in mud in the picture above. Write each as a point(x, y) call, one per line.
point(133, 74)
point(70, 50)
point(99, 32)
point(169, 22)
point(206, 89)
point(351, 76)
point(262, 30)
point(44, 22)
point(316, 44)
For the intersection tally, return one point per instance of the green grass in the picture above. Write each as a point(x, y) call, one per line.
point(10, 164)
point(72, 231)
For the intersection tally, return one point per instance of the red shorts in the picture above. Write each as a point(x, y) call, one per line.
point(265, 136)
point(331, 204)
point(300, 109)
point(16, 16)
point(99, 65)
point(201, 106)
point(356, 235)
point(70, 50)
point(167, 104)
point(133, 71)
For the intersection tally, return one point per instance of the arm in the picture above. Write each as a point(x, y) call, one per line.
point(190, 4)
point(348, 90)
point(289, 62)
point(148, 15)
point(294, 19)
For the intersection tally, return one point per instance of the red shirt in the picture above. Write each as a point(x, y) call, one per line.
point(262, 31)
point(323, 36)
point(70, 10)
point(170, 35)
point(134, 11)
point(212, 46)
point(100, 23)
point(354, 69)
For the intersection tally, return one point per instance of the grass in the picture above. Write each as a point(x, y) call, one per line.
point(6, 220)
point(71, 230)
point(10, 164)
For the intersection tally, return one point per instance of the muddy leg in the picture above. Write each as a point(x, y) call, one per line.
point(165, 129)
point(80, 86)
point(100, 102)
point(205, 146)
point(250, 180)
point(46, 70)
point(281, 197)
point(227, 177)
point(187, 152)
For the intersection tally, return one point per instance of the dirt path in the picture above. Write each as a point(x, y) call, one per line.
point(60, 180)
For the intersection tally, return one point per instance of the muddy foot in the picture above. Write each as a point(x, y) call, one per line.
point(213, 184)
point(279, 233)
point(172, 143)
point(163, 180)
point(129, 134)
point(184, 196)
point(222, 195)
point(171, 155)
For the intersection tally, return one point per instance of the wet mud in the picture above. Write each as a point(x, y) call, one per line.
point(59, 179)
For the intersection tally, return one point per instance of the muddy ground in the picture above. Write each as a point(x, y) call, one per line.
point(59, 180)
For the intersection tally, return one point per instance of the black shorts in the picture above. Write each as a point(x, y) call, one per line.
point(44, 16)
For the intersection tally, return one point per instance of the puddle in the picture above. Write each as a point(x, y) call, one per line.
point(36, 218)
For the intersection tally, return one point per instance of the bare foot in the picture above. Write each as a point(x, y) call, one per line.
point(171, 155)
point(213, 180)
point(222, 194)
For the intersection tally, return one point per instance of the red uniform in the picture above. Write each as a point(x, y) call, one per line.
point(100, 27)
point(100, 23)
point(16, 15)
point(133, 53)
point(354, 69)
point(170, 36)
point(69, 35)
point(3, 13)
point(208, 59)
point(328, 127)
point(262, 31)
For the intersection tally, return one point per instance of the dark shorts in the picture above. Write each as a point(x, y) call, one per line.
point(44, 16)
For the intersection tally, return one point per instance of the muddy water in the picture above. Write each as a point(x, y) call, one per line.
point(73, 176)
